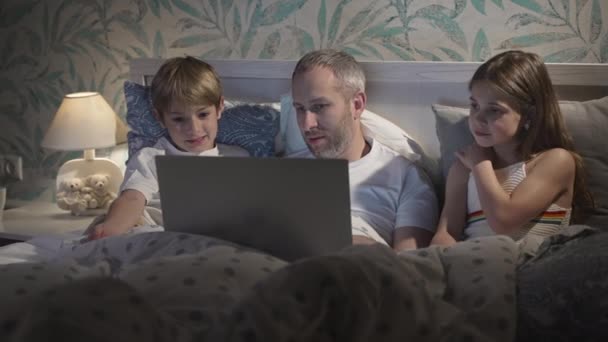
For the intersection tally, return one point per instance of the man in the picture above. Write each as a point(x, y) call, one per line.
point(392, 201)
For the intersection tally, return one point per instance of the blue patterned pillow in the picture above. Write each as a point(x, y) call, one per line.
point(252, 127)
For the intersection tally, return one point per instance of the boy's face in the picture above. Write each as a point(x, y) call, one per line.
point(192, 128)
point(325, 117)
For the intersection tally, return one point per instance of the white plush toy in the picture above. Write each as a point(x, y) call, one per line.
point(74, 196)
point(101, 196)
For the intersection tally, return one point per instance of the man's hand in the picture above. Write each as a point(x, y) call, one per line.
point(363, 240)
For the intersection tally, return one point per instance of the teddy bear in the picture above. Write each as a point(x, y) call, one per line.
point(101, 196)
point(73, 196)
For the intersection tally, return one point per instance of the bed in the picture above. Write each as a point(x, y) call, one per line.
point(202, 288)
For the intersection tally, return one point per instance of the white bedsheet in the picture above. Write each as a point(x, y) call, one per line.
point(50, 247)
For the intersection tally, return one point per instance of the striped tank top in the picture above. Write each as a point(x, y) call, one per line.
point(547, 223)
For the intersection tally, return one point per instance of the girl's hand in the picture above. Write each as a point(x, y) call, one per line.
point(473, 155)
point(443, 239)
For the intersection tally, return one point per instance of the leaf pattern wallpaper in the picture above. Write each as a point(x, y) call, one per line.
point(53, 47)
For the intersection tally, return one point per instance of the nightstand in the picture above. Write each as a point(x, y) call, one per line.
point(40, 218)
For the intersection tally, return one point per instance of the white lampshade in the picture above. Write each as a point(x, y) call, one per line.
point(83, 121)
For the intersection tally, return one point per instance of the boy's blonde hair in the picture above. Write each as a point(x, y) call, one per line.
point(188, 80)
point(524, 77)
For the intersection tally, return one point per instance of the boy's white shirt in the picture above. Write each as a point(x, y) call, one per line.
point(141, 173)
point(387, 191)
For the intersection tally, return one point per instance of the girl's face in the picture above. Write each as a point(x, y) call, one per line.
point(493, 119)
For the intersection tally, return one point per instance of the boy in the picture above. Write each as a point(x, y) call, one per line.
point(187, 100)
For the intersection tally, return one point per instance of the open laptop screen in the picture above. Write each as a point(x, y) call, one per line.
point(290, 208)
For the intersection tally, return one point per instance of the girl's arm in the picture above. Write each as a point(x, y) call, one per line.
point(452, 219)
point(551, 176)
point(124, 213)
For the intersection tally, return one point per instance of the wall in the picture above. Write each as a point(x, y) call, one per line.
point(53, 47)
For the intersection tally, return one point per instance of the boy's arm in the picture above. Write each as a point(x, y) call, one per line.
point(139, 184)
point(124, 213)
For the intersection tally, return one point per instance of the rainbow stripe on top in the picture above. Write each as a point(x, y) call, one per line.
point(475, 216)
point(551, 217)
point(548, 217)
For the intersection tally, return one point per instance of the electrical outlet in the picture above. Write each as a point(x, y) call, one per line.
point(11, 168)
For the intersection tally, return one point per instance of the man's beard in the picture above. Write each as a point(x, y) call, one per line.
point(338, 140)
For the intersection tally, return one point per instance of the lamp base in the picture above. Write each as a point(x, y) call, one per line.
point(80, 193)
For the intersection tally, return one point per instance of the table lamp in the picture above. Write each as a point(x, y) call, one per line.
point(85, 121)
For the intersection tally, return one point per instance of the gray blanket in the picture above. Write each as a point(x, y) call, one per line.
point(178, 287)
point(205, 289)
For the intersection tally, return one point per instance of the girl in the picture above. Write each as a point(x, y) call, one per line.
point(521, 176)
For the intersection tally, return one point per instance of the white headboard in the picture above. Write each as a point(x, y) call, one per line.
point(403, 92)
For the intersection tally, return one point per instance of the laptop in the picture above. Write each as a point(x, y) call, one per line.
point(289, 208)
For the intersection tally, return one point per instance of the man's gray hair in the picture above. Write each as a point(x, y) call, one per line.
point(344, 66)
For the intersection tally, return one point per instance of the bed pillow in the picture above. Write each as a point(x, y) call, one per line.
point(587, 122)
point(451, 125)
point(250, 126)
point(374, 126)
point(290, 132)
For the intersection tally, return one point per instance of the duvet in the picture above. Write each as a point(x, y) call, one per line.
point(168, 286)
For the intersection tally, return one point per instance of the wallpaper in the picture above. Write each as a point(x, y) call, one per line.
point(53, 47)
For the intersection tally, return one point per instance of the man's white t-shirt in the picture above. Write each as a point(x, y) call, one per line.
point(141, 173)
point(387, 192)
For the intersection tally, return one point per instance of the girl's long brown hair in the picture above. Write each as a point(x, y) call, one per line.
point(524, 77)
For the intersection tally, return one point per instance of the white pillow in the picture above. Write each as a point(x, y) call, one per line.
point(387, 133)
point(374, 126)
